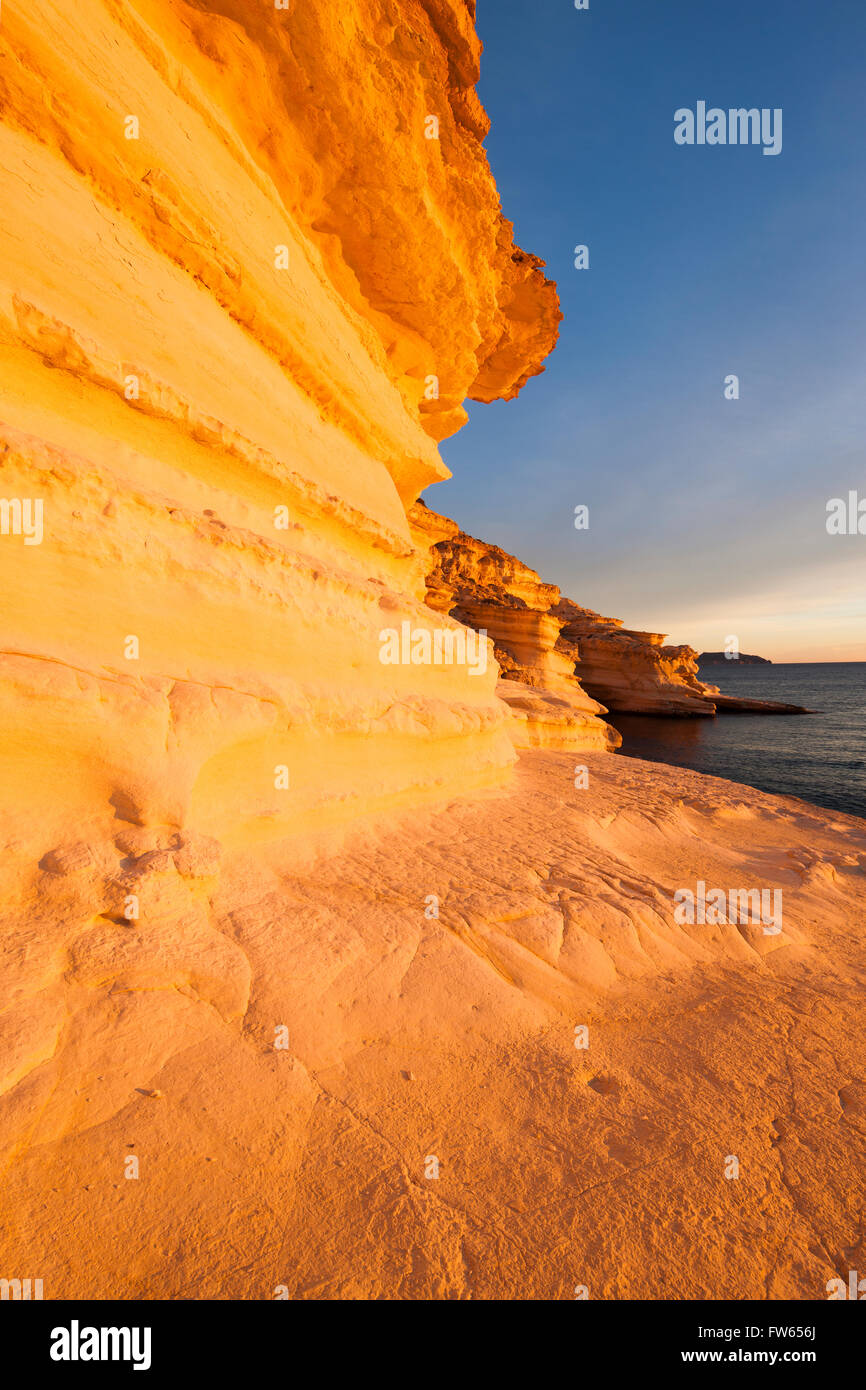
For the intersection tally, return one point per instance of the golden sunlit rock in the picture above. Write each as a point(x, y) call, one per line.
point(266, 857)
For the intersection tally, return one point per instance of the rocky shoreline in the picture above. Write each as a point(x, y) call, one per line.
point(586, 664)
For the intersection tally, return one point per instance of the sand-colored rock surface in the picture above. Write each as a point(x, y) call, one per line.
point(632, 672)
point(293, 944)
point(495, 593)
point(217, 340)
point(412, 1038)
point(550, 643)
point(567, 654)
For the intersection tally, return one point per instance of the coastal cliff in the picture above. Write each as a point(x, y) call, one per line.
point(493, 592)
point(224, 380)
point(547, 642)
point(313, 987)
point(632, 672)
point(576, 664)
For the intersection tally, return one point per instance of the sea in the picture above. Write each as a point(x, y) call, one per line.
point(819, 757)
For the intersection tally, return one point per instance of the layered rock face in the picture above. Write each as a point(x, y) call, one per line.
point(242, 297)
point(491, 591)
point(562, 665)
point(632, 672)
point(548, 642)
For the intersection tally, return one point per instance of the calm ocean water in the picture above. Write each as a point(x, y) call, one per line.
point(819, 757)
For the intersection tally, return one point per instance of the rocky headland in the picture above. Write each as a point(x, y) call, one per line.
point(721, 658)
point(562, 651)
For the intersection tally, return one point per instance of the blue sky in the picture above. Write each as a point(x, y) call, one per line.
point(707, 516)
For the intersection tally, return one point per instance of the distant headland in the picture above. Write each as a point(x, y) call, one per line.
point(721, 658)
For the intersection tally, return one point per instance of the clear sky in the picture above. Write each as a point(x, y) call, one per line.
point(707, 515)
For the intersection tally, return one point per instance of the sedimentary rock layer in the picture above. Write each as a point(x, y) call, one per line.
point(494, 592)
point(560, 649)
point(548, 642)
point(632, 672)
point(242, 296)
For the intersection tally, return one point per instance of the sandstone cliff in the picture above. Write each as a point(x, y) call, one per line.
point(242, 296)
point(491, 591)
point(633, 672)
point(548, 642)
